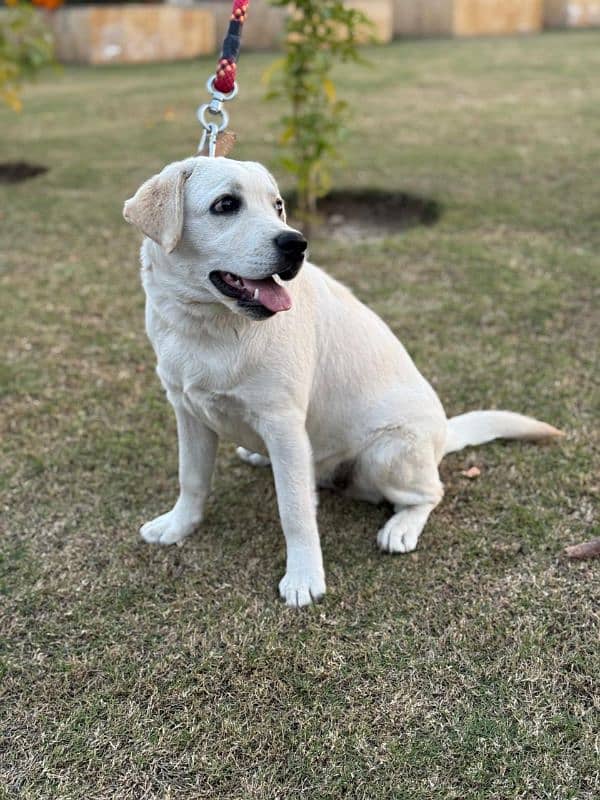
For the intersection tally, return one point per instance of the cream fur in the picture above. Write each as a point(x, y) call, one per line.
point(323, 392)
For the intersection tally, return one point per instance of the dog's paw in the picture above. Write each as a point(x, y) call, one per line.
point(301, 588)
point(252, 458)
point(169, 528)
point(400, 534)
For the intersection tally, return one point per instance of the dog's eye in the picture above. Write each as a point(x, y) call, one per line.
point(279, 206)
point(226, 204)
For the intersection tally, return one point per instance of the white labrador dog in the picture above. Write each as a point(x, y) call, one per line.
point(257, 346)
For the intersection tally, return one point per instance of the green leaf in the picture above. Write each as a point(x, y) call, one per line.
point(329, 89)
point(277, 66)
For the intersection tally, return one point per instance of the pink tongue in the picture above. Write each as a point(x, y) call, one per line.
point(270, 294)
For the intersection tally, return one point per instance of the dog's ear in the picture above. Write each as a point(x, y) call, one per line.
point(157, 206)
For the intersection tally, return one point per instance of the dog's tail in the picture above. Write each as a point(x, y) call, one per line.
point(478, 427)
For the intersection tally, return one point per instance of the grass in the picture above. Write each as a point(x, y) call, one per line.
point(465, 670)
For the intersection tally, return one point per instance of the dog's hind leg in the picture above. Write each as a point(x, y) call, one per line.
point(252, 458)
point(401, 532)
point(403, 467)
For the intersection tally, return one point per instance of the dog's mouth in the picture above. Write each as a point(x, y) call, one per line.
point(265, 296)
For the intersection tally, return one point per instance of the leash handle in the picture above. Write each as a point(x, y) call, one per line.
point(222, 85)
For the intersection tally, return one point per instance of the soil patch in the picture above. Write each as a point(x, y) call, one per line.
point(361, 213)
point(17, 171)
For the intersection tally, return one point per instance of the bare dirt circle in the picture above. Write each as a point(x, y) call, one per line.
point(17, 171)
point(367, 213)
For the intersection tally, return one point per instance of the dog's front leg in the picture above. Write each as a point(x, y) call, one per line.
point(197, 452)
point(291, 458)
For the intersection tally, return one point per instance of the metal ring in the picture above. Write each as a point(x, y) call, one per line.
point(201, 114)
point(210, 87)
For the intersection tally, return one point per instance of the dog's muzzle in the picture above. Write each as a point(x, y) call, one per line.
point(260, 298)
point(292, 246)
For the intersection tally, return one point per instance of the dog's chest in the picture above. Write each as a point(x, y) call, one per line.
point(209, 386)
point(225, 413)
point(222, 411)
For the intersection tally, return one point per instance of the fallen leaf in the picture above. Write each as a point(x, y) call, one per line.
point(589, 549)
point(225, 143)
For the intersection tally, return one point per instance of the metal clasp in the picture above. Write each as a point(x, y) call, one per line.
point(212, 131)
point(214, 109)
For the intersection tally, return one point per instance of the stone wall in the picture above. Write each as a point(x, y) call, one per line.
point(476, 17)
point(571, 14)
point(186, 29)
point(176, 30)
point(132, 33)
point(381, 14)
point(426, 18)
point(466, 17)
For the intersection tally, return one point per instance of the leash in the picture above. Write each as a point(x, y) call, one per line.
point(222, 85)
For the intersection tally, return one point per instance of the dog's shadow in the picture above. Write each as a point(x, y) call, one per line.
point(240, 542)
point(242, 513)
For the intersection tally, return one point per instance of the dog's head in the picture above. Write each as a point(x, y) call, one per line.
point(221, 225)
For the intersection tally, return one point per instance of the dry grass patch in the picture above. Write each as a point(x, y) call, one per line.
point(466, 670)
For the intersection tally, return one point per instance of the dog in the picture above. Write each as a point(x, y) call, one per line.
point(258, 346)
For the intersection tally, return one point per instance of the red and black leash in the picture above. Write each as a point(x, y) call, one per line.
point(222, 84)
point(227, 66)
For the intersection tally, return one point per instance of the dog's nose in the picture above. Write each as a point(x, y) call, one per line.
point(291, 244)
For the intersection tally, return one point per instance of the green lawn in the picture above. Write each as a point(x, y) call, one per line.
point(468, 669)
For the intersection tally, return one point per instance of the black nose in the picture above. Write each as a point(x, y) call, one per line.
point(292, 244)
